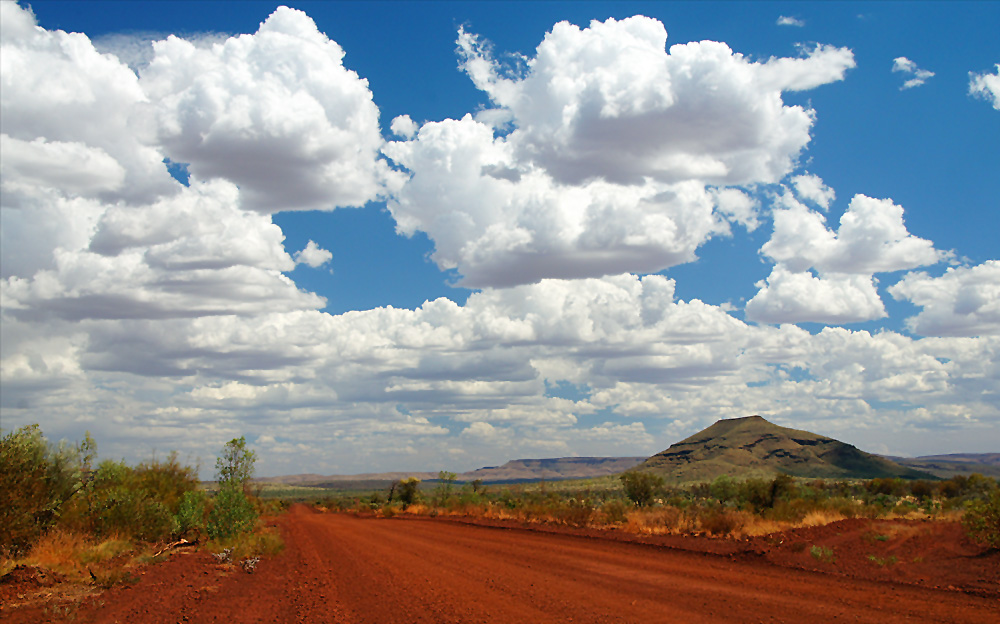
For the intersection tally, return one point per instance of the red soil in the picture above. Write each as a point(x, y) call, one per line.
point(341, 568)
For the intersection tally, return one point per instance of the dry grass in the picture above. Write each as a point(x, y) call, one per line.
point(819, 517)
point(77, 558)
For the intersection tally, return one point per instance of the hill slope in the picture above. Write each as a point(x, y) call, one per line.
point(754, 447)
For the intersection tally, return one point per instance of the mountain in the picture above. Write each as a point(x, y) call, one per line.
point(754, 447)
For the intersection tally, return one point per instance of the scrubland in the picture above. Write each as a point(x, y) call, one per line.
point(70, 519)
point(724, 508)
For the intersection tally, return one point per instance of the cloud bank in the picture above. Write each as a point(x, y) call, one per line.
point(145, 309)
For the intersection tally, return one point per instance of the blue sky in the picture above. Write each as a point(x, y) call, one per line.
point(592, 242)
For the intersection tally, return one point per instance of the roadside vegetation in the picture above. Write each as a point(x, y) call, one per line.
point(96, 522)
point(639, 502)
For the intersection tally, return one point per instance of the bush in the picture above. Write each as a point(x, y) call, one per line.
point(139, 502)
point(190, 517)
point(641, 487)
point(722, 522)
point(232, 513)
point(982, 520)
point(35, 480)
point(615, 511)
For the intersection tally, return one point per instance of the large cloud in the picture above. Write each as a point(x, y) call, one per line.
point(965, 301)
point(613, 140)
point(610, 102)
point(275, 112)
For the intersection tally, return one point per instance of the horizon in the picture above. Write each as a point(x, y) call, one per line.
point(387, 236)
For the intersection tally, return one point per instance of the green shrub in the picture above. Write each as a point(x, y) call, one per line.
point(641, 487)
point(232, 513)
point(821, 553)
point(723, 489)
point(190, 517)
point(982, 520)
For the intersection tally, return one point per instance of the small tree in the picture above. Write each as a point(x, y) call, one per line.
point(233, 513)
point(236, 463)
point(408, 490)
point(444, 489)
point(640, 487)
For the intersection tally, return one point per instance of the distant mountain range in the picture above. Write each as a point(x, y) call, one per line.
point(738, 447)
point(556, 469)
point(945, 466)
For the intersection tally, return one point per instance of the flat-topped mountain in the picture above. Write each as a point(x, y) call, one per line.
point(754, 447)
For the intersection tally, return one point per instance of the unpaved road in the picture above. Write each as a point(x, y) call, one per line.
point(339, 568)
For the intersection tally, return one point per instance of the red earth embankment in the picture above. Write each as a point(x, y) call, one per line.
point(344, 569)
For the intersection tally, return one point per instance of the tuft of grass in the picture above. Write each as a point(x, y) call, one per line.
point(822, 554)
point(820, 517)
point(883, 561)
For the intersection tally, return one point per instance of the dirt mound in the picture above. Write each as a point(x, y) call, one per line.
point(30, 576)
point(927, 553)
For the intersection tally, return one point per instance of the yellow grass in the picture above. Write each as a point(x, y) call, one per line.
point(820, 517)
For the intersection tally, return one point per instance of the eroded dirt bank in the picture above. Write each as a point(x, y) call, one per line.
point(343, 569)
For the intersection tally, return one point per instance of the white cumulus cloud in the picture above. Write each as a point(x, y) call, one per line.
point(276, 112)
point(812, 188)
point(613, 143)
point(313, 255)
point(785, 20)
point(872, 238)
point(965, 301)
point(62, 99)
point(790, 297)
point(986, 86)
point(908, 67)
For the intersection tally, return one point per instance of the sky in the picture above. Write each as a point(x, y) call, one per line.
point(380, 236)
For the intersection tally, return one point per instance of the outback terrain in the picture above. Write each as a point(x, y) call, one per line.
point(342, 568)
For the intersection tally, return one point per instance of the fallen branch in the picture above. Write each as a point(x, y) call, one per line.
point(178, 544)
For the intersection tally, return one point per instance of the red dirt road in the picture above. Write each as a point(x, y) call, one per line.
point(343, 569)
